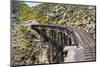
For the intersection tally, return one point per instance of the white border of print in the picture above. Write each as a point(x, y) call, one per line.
point(5, 33)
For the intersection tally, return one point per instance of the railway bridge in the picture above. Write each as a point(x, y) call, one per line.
point(61, 38)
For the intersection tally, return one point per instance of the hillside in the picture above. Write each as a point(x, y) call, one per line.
point(78, 16)
point(26, 42)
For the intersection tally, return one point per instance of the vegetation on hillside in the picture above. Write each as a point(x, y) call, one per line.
point(78, 16)
point(26, 42)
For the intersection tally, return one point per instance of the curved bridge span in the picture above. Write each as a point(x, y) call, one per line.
point(62, 37)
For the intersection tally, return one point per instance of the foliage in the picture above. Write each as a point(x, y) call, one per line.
point(27, 43)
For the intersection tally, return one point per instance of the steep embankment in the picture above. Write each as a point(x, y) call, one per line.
point(78, 16)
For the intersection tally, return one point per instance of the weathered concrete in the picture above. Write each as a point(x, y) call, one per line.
point(74, 54)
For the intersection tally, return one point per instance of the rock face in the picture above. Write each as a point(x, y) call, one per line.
point(74, 54)
point(43, 56)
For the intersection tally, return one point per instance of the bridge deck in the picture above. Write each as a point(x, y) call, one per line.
point(52, 27)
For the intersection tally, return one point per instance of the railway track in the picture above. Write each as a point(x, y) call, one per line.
point(88, 44)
